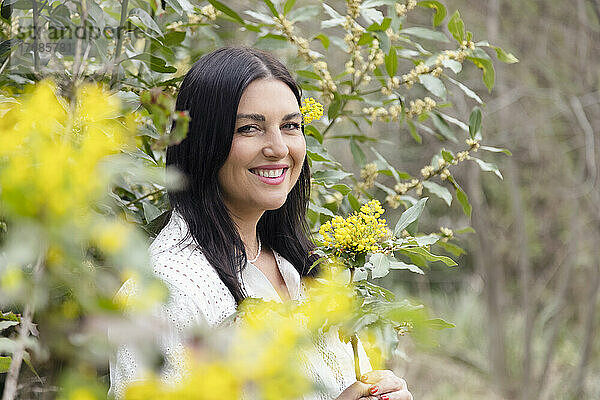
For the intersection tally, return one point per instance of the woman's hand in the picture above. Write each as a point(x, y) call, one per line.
point(377, 385)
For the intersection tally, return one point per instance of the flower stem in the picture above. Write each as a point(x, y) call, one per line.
point(354, 341)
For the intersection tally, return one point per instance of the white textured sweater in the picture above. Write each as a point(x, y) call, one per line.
point(198, 296)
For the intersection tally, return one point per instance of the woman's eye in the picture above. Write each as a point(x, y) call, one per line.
point(246, 129)
point(292, 125)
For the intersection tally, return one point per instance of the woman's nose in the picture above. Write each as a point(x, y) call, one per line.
point(275, 145)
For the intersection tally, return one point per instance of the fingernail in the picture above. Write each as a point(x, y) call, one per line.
point(364, 378)
point(384, 397)
point(373, 389)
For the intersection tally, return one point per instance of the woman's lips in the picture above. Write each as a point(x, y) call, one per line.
point(272, 181)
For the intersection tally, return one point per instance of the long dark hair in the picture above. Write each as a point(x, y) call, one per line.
point(211, 92)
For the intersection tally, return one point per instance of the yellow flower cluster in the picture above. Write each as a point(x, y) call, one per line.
point(360, 232)
point(51, 151)
point(269, 343)
point(311, 110)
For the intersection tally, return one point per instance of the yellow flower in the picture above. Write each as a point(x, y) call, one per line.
point(359, 232)
point(311, 110)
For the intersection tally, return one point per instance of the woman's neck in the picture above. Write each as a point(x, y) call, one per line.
point(247, 230)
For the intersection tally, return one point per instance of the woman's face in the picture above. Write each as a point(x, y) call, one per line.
point(267, 151)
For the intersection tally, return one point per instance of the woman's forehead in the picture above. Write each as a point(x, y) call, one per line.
point(268, 96)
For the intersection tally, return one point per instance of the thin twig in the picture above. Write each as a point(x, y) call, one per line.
point(143, 197)
point(119, 45)
point(12, 377)
point(36, 54)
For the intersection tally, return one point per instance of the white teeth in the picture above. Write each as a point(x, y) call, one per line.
point(268, 173)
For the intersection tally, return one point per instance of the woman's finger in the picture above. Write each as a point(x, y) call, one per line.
point(398, 395)
point(383, 381)
point(357, 390)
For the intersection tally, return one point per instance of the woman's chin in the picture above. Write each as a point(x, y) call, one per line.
point(275, 204)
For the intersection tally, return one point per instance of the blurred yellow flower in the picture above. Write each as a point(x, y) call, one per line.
point(50, 151)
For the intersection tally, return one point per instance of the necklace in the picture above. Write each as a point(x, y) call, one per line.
point(257, 254)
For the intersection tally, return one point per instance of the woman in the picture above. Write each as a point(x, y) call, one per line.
point(238, 227)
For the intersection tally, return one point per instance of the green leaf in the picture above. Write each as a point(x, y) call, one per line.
point(466, 90)
point(173, 38)
point(353, 202)
point(269, 4)
point(468, 229)
point(7, 45)
point(409, 216)
point(439, 191)
point(330, 176)
point(359, 156)
point(424, 33)
point(462, 197)
point(372, 15)
point(496, 150)
point(314, 132)
point(440, 10)
point(336, 18)
point(451, 248)
point(454, 65)
point(434, 85)
point(151, 212)
point(320, 210)
point(304, 13)
point(505, 57)
point(4, 364)
point(360, 274)
point(391, 62)
point(428, 256)
point(260, 16)
point(287, 7)
point(340, 187)
point(380, 265)
point(155, 63)
point(475, 123)
point(387, 164)
point(7, 324)
point(316, 151)
point(380, 27)
point(425, 240)
point(488, 70)
point(439, 324)
point(226, 10)
point(401, 265)
point(443, 127)
point(447, 156)
point(488, 167)
point(308, 74)
point(413, 132)
point(146, 19)
point(456, 26)
point(324, 40)
point(334, 107)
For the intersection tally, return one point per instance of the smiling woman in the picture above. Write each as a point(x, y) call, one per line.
point(246, 195)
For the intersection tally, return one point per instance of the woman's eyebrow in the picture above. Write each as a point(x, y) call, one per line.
point(256, 117)
point(292, 116)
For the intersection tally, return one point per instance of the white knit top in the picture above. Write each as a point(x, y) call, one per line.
point(199, 297)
